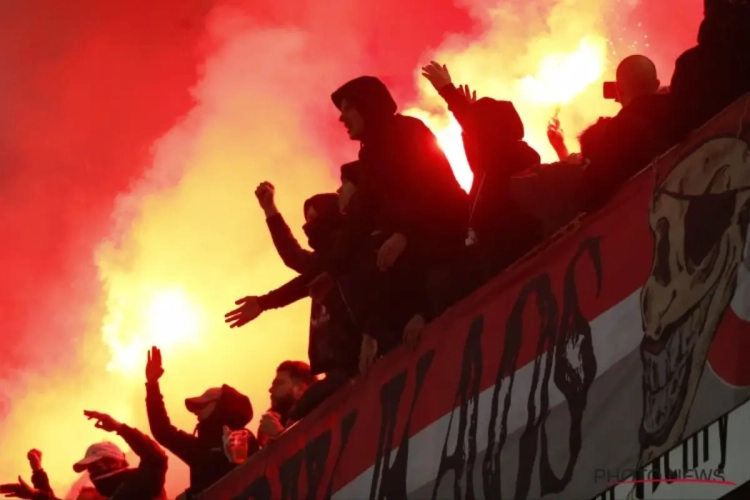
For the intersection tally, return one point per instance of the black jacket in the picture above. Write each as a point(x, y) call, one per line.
point(493, 135)
point(145, 482)
point(334, 339)
point(628, 143)
point(202, 452)
point(406, 183)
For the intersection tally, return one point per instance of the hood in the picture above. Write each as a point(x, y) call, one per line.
point(498, 119)
point(322, 230)
point(369, 96)
point(325, 204)
point(233, 409)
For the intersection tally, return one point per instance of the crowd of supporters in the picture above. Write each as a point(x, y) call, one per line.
point(400, 241)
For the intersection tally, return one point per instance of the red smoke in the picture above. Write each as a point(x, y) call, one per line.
point(89, 86)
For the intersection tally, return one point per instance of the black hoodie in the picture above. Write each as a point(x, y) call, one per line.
point(406, 183)
point(493, 134)
point(334, 340)
point(203, 451)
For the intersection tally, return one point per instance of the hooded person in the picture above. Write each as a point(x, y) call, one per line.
point(215, 409)
point(322, 219)
point(493, 137)
point(407, 195)
point(108, 467)
point(334, 340)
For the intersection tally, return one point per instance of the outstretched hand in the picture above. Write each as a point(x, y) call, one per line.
point(154, 368)
point(437, 74)
point(249, 309)
point(21, 489)
point(103, 421)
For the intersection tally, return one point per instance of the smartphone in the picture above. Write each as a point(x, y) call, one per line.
point(609, 90)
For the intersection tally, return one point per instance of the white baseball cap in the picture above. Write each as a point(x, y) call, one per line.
point(96, 452)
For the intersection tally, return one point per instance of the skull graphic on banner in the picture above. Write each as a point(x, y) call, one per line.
point(699, 217)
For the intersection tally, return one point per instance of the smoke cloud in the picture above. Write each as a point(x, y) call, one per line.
point(134, 141)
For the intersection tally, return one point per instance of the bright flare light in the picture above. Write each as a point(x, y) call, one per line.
point(164, 318)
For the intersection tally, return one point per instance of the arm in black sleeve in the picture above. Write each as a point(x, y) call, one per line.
point(152, 468)
point(182, 444)
point(294, 256)
point(458, 105)
point(287, 294)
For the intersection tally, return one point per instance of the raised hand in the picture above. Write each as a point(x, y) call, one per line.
point(437, 74)
point(154, 369)
point(556, 138)
point(249, 309)
point(265, 193)
point(103, 421)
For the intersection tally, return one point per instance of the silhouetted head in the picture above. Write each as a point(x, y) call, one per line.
point(364, 103)
point(322, 220)
point(291, 381)
point(636, 77)
point(320, 205)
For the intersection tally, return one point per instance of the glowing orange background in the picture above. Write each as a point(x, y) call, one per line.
point(133, 143)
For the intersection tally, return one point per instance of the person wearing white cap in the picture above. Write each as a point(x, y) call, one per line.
point(108, 467)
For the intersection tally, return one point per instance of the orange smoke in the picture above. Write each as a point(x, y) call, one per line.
point(557, 63)
point(189, 239)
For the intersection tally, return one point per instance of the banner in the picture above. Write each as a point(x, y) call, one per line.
point(602, 352)
point(709, 464)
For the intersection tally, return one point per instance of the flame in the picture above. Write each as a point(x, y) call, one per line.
point(559, 75)
point(142, 316)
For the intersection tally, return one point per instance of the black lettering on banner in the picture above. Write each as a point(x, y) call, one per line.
point(723, 429)
point(607, 495)
point(289, 472)
point(491, 473)
point(389, 481)
point(347, 424)
point(528, 444)
point(316, 457)
point(259, 489)
point(573, 379)
point(692, 458)
point(461, 461)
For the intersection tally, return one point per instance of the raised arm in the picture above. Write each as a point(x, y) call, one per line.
point(182, 444)
point(291, 252)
